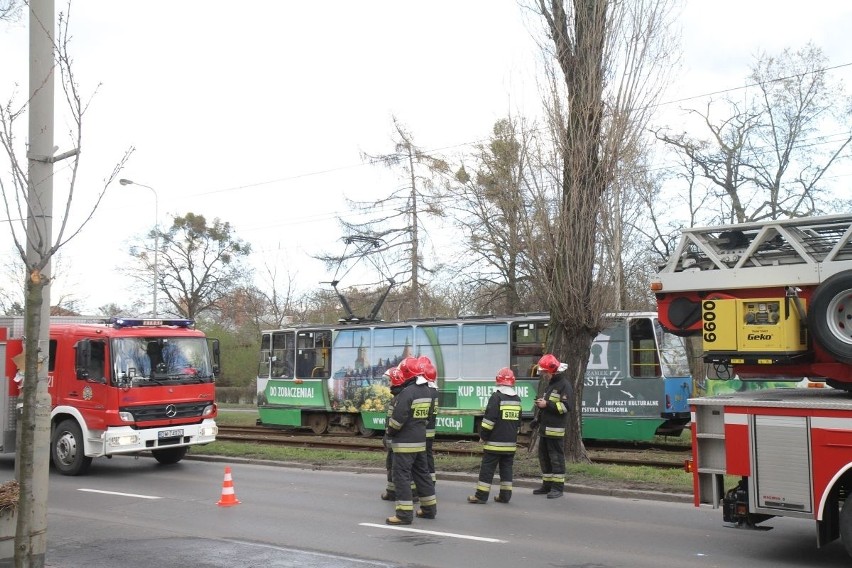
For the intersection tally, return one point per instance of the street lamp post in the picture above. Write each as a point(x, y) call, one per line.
point(156, 237)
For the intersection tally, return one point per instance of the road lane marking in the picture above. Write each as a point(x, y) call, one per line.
point(436, 533)
point(122, 494)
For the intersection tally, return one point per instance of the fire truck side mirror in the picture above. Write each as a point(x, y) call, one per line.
point(214, 350)
point(83, 358)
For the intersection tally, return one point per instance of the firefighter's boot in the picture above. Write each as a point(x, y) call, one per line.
point(543, 490)
point(428, 508)
point(481, 495)
point(555, 491)
point(503, 496)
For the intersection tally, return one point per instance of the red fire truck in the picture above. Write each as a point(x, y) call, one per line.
point(121, 386)
point(770, 300)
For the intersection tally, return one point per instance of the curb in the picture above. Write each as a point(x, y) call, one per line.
point(454, 476)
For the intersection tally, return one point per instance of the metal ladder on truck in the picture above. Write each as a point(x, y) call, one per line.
point(723, 282)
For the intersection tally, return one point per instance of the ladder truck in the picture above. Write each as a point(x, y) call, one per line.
point(770, 300)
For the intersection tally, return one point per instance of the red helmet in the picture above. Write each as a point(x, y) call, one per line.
point(395, 376)
point(506, 377)
point(411, 367)
point(431, 373)
point(548, 364)
point(425, 360)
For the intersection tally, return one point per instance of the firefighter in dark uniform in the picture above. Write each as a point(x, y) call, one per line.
point(396, 385)
point(553, 408)
point(430, 373)
point(499, 434)
point(406, 430)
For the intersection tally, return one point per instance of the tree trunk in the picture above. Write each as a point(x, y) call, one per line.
point(573, 345)
point(33, 434)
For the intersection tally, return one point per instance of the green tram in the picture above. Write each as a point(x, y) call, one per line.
point(330, 378)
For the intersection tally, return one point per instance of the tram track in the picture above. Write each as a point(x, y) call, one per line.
point(632, 454)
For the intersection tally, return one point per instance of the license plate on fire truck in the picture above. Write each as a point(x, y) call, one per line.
point(170, 434)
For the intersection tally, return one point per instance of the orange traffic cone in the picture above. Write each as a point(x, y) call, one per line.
point(229, 498)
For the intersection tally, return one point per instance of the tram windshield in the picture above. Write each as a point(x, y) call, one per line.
point(673, 358)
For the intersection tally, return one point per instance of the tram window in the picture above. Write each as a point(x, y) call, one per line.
point(440, 343)
point(426, 337)
point(479, 361)
point(305, 340)
point(644, 362)
point(485, 346)
point(393, 337)
point(446, 335)
point(265, 353)
point(528, 342)
point(283, 351)
point(344, 339)
point(675, 362)
point(402, 336)
point(477, 334)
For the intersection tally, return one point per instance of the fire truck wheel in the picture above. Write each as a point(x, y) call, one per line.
point(169, 455)
point(830, 316)
point(66, 449)
point(846, 526)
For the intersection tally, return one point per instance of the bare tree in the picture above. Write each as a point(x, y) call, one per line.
point(609, 56)
point(10, 10)
point(203, 264)
point(487, 199)
point(28, 202)
point(63, 285)
point(272, 306)
point(768, 156)
point(395, 223)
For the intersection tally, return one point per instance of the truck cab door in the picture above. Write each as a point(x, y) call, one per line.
point(87, 389)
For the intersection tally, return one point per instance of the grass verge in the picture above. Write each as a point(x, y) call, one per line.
point(526, 465)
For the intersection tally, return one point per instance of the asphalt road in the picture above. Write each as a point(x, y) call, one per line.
point(137, 514)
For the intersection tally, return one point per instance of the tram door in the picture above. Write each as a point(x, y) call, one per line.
point(313, 354)
point(529, 340)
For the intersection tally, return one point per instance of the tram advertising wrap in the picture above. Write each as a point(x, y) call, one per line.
point(331, 379)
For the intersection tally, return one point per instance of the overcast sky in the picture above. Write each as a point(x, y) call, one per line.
point(257, 112)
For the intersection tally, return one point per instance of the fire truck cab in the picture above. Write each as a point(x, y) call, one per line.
point(122, 386)
point(770, 300)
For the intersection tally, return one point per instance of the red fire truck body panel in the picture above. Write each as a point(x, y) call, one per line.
point(792, 447)
point(736, 436)
point(120, 388)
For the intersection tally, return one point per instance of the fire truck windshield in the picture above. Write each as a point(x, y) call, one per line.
point(144, 361)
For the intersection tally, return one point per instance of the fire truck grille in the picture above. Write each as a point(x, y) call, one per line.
point(166, 411)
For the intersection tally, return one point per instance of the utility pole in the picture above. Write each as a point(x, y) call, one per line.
point(33, 438)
